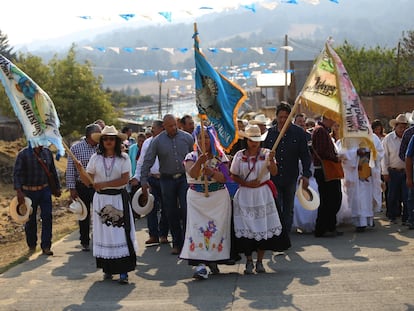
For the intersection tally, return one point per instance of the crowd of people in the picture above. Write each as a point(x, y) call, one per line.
point(218, 206)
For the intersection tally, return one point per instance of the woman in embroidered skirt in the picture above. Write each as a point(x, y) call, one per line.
point(207, 236)
point(256, 220)
point(114, 243)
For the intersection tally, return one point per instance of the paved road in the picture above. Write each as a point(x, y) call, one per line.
point(373, 270)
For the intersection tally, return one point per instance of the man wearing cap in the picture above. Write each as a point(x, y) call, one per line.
point(31, 180)
point(82, 150)
point(171, 146)
point(393, 170)
point(292, 147)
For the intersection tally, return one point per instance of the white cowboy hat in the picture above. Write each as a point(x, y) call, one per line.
point(109, 130)
point(260, 119)
point(401, 118)
point(79, 208)
point(20, 213)
point(140, 207)
point(309, 198)
point(252, 132)
point(411, 117)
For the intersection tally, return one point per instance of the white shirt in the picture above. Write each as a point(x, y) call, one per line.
point(155, 168)
point(391, 144)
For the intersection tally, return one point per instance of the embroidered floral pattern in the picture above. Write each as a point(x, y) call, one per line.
point(207, 233)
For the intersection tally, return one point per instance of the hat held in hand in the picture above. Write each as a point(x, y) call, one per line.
point(79, 208)
point(308, 198)
point(140, 205)
point(20, 212)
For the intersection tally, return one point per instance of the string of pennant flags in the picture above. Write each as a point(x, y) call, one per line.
point(169, 15)
point(184, 50)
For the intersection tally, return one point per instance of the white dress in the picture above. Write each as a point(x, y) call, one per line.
point(255, 213)
point(207, 235)
point(109, 240)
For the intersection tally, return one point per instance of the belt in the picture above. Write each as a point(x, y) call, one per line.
point(155, 175)
point(172, 176)
point(34, 188)
point(396, 169)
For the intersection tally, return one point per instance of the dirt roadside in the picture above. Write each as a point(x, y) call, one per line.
point(12, 238)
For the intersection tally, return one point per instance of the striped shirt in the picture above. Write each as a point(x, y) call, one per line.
point(83, 151)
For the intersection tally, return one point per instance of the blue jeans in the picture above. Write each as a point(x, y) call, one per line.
point(286, 197)
point(155, 228)
point(43, 199)
point(410, 206)
point(397, 193)
point(174, 200)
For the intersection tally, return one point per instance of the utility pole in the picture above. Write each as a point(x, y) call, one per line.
point(285, 91)
point(159, 94)
point(397, 76)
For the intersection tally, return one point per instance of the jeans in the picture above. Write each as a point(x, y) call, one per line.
point(174, 200)
point(86, 195)
point(410, 206)
point(43, 199)
point(155, 228)
point(286, 197)
point(397, 193)
point(330, 194)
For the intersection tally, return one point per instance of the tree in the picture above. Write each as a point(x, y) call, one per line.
point(5, 49)
point(78, 95)
point(407, 45)
point(374, 70)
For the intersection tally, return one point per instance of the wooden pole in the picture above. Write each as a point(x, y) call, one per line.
point(80, 168)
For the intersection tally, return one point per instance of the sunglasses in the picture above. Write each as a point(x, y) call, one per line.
point(110, 138)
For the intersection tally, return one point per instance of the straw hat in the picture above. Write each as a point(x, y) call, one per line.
point(309, 198)
point(109, 130)
point(411, 117)
point(252, 132)
point(79, 208)
point(20, 213)
point(139, 205)
point(260, 119)
point(401, 118)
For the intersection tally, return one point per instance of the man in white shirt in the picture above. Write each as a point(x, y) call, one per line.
point(158, 231)
point(393, 170)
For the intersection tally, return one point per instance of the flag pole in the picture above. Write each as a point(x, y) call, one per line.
point(281, 134)
point(78, 165)
point(202, 118)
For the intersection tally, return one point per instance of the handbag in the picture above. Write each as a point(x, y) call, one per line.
point(331, 170)
point(50, 178)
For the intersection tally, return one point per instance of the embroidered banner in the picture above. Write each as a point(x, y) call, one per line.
point(217, 98)
point(32, 106)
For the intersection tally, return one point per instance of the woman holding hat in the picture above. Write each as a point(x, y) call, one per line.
point(256, 219)
point(114, 243)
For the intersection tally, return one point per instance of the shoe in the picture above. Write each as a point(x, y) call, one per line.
point(249, 267)
point(259, 267)
point(164, 240)
point(123, 279)
point(360, 229)
point(214, 268)
point(32, 249)
point(175, 251)
point(200, 273)
point(393, 221)
point(107, 276)
point(85, 248)
point(152, 240)
point(47, 252)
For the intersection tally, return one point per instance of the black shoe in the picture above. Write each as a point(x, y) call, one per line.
point(360, 229)
point(85, 248)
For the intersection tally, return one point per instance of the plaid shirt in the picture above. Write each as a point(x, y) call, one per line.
point(323, 145)
point(83, 152)
point(29, 172)
point(408, 133)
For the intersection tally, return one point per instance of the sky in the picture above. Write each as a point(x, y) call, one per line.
point(28, 21)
